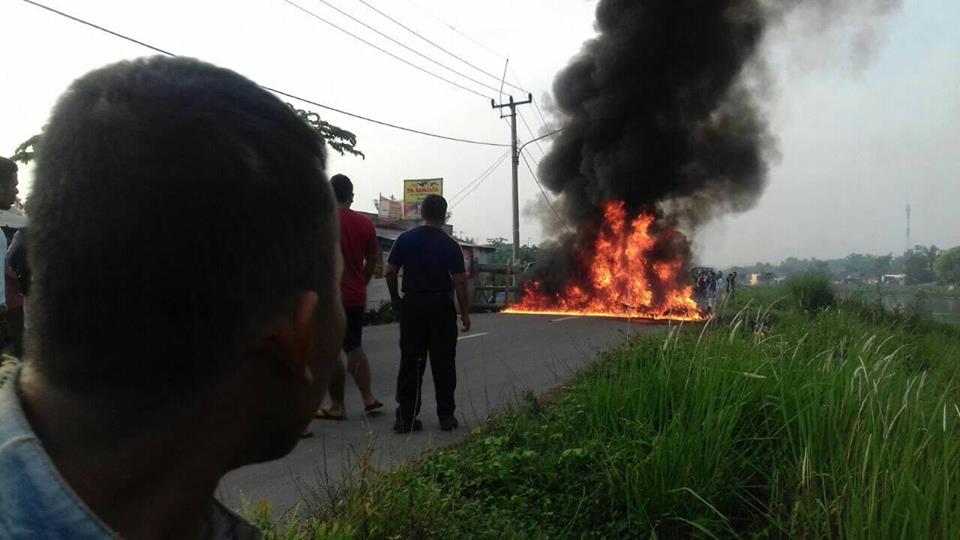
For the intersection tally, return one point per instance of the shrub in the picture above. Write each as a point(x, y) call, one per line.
point(811, 292)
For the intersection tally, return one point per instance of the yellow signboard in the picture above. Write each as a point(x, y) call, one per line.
point(414, 191)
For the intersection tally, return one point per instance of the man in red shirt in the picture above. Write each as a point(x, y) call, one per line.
point(358, 243)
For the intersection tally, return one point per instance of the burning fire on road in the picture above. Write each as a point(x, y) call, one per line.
point(620, 276)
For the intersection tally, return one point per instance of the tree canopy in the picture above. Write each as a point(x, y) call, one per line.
point(947, 266)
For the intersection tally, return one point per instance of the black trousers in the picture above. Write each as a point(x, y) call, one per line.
point(428, 329)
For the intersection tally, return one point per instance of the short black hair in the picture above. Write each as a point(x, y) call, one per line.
point(434, 208)
point(178, 208)
point(342, 188)
point(8, 170)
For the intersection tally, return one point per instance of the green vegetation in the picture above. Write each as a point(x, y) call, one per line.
point(916, 264)
point(768, 422)
point(811, 292)
point(947, 266)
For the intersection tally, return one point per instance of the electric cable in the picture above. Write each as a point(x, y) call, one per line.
point(486, 171)
point(404, 45)
point(384, 51)
point(542, 191)
point(533, 136)
point(543, 120)
point(451, 27)
point(477, 182)
point(417, 34)
point(274, 90)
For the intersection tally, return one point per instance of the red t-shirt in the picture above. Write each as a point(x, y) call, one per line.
point(358, 242)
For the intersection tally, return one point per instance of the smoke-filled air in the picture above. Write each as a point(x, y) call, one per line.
point(664, 130)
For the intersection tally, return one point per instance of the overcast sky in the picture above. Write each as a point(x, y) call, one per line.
point(856, 144)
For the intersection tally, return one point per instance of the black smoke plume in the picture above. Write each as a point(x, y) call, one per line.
point(662, 111)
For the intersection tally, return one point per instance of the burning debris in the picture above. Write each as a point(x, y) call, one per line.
point(625, 277)
point(662, 130)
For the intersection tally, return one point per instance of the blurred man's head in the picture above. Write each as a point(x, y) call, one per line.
point(434, 209)
point(8, 183)
point(342, 189)
point(183, 248)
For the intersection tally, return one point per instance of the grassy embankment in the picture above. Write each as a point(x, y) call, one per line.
point(789, 418)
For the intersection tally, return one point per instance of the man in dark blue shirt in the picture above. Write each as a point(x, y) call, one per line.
point(432, 264)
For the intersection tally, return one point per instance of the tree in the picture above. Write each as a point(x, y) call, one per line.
point(883, 264)
point(340, 140)
point(947, 266)
point(917, 268)
point(928, 253)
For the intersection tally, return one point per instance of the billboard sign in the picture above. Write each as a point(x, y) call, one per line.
point(390, 210)
point(414, 191)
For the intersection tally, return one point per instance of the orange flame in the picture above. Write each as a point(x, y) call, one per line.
point(617, 278)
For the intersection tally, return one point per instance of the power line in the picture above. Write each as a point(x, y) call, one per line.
point(382, 123)
point(542, 192)
point(404, 45)
point(477, 182)
point(384, 51)
point(102, 29)
point(503, 79)
point(533, 136)
point(485, 172)
point(543, 120)
point(451, 27)
point(473, 184)
point(274, 90)
point(414, 32)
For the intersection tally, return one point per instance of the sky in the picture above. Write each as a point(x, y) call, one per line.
point(856, 142)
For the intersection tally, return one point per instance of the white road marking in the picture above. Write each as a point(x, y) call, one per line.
point(564, 319)
point(468, 336)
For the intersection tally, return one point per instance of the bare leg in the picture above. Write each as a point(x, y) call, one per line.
point(335, 388)
point(360, 370)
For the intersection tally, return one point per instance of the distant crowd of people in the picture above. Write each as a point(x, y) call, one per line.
point(191, 292)
point(711, 287)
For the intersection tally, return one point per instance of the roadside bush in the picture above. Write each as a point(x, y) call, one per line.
point(811, 292)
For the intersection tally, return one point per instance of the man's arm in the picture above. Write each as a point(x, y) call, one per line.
point(392, 271)
point(370, 264)
point(460, 284)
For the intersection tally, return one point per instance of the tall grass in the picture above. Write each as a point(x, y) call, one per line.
point(822, 426)
point(811, 292)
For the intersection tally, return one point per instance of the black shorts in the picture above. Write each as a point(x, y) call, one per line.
point(354, 333)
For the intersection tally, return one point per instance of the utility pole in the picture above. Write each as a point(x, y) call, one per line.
point(908, 228)
point(516, 164)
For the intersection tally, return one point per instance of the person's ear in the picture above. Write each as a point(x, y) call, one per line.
point(291, 341)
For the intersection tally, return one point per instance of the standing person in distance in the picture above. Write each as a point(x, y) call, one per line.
point(433, 268)
point(17, 285)
point(358, 244)
point(712, 291)
point(8, 196)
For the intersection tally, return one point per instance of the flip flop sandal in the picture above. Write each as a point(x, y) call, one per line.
point(324, 415)
point(373, 406)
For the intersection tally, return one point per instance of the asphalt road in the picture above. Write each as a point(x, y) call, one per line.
point(501, 359)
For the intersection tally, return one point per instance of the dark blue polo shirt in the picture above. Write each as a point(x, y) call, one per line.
point(428, 257)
